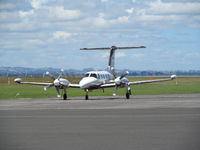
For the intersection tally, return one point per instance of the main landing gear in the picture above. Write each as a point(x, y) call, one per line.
point(128, 92)
point(65, 94)
point(86, 94)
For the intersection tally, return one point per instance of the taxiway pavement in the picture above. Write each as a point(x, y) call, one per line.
point(149, 122)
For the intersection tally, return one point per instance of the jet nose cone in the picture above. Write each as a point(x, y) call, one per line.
point(87, 82)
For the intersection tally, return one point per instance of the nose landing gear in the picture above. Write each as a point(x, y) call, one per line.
point(86, 95)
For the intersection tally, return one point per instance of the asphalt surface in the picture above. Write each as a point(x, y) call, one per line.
point(151, 122)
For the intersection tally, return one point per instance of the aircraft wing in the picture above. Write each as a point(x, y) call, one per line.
point(35, 83)
point(151, 81)
point(74, 85)
point(109, 85)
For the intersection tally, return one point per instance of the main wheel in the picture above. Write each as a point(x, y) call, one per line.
point(65, 96)
point(127, 95)
point(86, 97)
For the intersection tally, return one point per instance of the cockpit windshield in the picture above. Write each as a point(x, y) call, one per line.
point(93, 75)
point(87, 75)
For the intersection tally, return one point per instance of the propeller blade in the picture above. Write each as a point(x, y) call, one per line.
point(46, 87)
point(50, 75)
point(123, 75)
point(62, 73)
point(58, 91)
point(115, 91)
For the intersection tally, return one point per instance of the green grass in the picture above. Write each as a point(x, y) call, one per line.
point(186, 85)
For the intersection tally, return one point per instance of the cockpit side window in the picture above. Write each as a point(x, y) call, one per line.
point(87, 75)
point(93, 75)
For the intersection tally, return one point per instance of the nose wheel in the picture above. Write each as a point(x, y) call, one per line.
point(86, 97)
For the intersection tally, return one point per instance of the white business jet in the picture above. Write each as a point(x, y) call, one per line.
point(96, 79)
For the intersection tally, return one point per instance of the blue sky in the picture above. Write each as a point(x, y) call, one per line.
point(49, 33)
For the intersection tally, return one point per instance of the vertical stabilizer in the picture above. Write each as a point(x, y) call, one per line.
point(111, 62)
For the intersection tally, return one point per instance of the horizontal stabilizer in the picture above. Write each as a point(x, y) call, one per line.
point(112, 48)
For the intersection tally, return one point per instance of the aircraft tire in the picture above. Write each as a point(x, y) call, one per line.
point(86, 97)
point(65, 96)
point(127, 95)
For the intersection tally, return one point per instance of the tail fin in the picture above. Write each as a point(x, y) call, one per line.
point(111, 62)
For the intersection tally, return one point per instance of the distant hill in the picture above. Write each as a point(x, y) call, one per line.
point(39, 72)
point(36, 72)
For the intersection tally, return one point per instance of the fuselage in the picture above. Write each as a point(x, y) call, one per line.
point(94, 79)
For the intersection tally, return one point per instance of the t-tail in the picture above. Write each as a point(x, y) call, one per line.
point(111, 62)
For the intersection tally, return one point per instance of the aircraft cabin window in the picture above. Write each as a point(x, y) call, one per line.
point(93, 75)
point(98, 76)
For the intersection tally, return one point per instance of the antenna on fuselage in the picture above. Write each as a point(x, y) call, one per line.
point(111, 62)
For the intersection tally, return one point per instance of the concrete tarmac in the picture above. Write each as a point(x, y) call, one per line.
point(150, 122)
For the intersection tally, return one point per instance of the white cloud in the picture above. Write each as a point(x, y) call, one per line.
point(36, 4)
point(61, 35)
point(102, 22)
point(104, 1)
point(137, 55)
point(159, 7)
point(169, 13)
point(161, 17)
point(120, 54)
point(8, 17)
point(117, 54)
point(7, 6)
point(60, 13)
point(122, 19)
point(26, 13)
point(105, 55)
point(130, 10)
